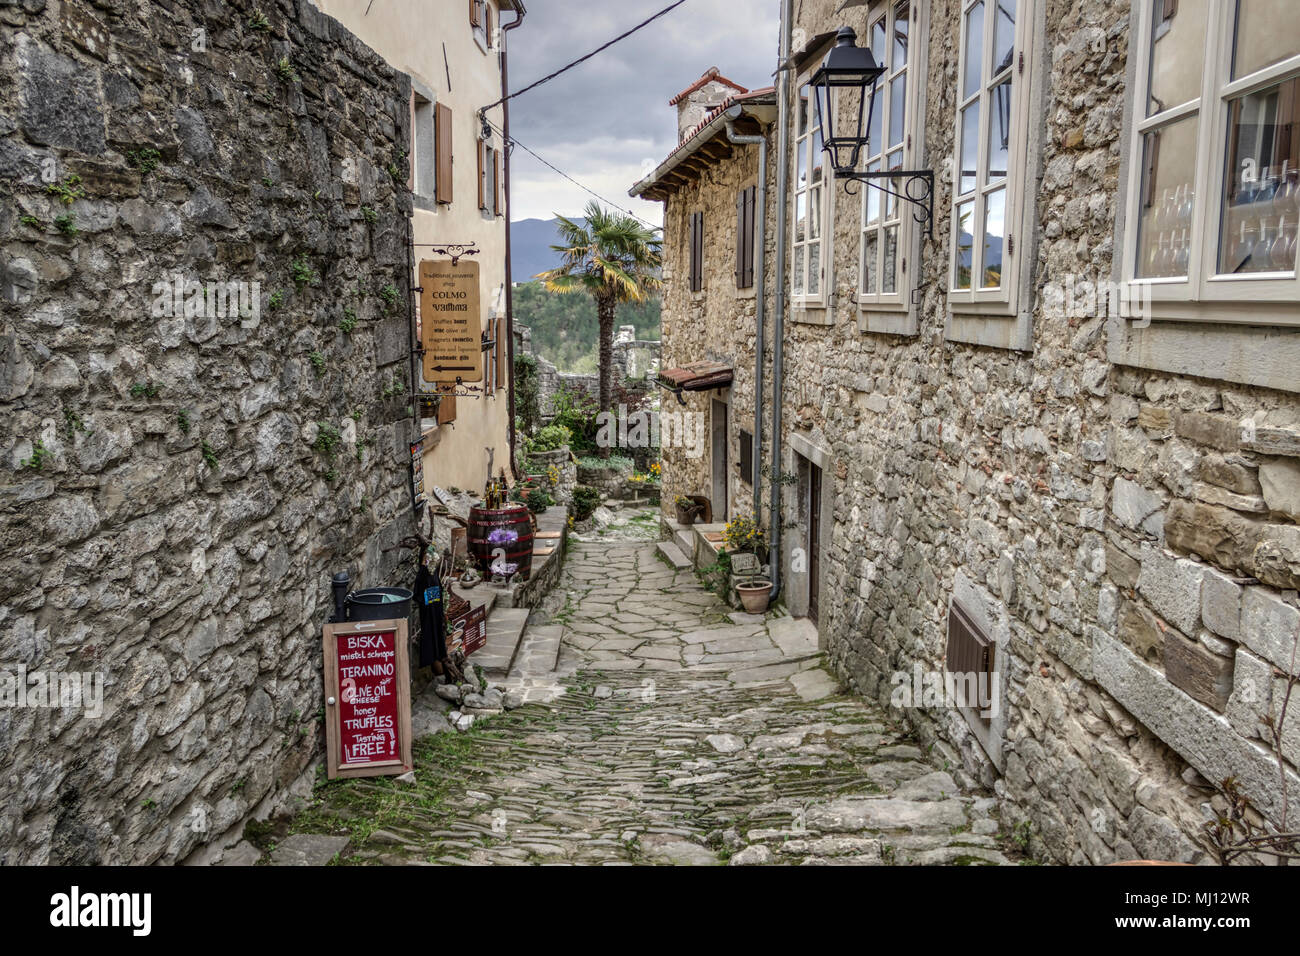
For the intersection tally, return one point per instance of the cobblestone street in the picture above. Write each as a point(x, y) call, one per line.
point(674, 730)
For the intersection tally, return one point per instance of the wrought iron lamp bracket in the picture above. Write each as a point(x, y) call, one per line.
point(917, 188)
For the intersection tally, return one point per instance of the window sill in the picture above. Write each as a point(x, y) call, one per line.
point(1224, 351)
point(424, 203)
point(749, 293)
point(992, 328)
point(887, 320)
point(812, 314)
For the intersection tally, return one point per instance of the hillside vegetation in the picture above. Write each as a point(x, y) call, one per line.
point(564, 327)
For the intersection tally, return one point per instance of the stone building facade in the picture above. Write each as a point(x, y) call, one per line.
point(1110, 500)
point(186, 464)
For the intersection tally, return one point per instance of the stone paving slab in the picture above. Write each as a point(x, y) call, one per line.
point(662, 727)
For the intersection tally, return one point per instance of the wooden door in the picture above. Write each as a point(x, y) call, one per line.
point(719, 432)
point(814, 538)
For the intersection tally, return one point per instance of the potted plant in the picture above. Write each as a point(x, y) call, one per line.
point(687, 509)
point(743, 535)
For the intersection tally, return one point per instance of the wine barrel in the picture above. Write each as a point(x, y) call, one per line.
point(505, 533)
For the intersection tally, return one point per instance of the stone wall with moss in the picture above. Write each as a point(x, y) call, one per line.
point(180, 483)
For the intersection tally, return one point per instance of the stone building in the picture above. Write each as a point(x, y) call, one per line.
point(980, 452)
point(459, 174)
point(205, 281)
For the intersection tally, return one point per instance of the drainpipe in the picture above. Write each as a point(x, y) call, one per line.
point(520, 13)
point(761, 298)
point(778, 331)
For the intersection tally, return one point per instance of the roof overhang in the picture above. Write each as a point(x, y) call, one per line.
point(750, 114)
point(696, 377)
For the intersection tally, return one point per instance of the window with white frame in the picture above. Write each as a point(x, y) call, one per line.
point(423, 154)
point(1214, 198)
point(990, 152)
point(886, 229)
point(808, 247)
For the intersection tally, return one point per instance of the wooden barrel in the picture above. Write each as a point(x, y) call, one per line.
point(501, 533)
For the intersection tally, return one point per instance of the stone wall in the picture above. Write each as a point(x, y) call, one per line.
point(636, 361)
point(180, 487)
point(1129, 537)
point(717, 323)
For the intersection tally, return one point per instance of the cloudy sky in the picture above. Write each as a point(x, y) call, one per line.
point(605, 120)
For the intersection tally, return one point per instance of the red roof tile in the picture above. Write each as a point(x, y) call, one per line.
point(712, 75)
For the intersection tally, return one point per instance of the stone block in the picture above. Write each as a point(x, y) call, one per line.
point(1137, 508)
point(1221, 604)
point(1269, 626)
point(1216, 534)
point(1203, 675)
point(1273, 441)
point(1252, 696)
point(1280, 482)
point(1173, 587)
point(1122, 568)
point(1204, 738)
point(1204, 428)
point(1138, 629)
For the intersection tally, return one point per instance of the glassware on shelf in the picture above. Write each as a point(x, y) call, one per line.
point(1282, 253)
point(1182, 254)
point(1244, 248)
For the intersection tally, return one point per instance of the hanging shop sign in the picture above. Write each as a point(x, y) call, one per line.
point(450, 322)
point(468, 632)
point(367, 699)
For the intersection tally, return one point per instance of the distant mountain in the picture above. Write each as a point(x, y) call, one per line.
point(530, 247)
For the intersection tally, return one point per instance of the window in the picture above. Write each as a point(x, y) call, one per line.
point(886, 221)
point(808, 245)
point(746, 457)
point(990, 155)
point(697, 251)
point(489, 179)
point(1214, 205)
point(971, 659)
point(424, 159)
point(482, 20)
point(443, 135)
point(745, 214)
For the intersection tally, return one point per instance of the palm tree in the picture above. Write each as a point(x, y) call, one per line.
point(613, 259)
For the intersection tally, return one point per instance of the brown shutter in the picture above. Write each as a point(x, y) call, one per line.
point(745, 238)
point(697, 251)
point(491, 22)
point(970, 652)
point(751, 235)
point(740, 240)
point(475, 13)
point(496, 182)
point(482, 199)
point(503, 354)
point(447, 410)
point(1169, 9)
point(443, 137)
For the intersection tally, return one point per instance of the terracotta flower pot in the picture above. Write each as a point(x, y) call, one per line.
point(754, 596)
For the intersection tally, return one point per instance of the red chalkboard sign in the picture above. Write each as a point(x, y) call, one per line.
point(367, 699)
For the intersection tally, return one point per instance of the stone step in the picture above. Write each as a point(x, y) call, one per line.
point(540, 652)
point(669, 550)
point(505, 631)
point(684, 538)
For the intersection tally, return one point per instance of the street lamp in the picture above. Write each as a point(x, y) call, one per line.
point(844, 88)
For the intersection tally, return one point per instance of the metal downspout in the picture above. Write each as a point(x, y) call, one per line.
point(520, 13)
point(778, 330)
point(760, 300)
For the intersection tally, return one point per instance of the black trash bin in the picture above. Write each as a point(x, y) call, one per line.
point(378, 604)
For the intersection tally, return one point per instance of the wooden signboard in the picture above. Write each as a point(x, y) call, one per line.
point(468, 632)
point(367, 699)
point(450, 323)
point(418, 496)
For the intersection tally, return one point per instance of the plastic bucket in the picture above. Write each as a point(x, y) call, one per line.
point(378, 604)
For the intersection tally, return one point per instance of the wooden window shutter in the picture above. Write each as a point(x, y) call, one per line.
point(697, 251)
point(496, 182)
point(745, 238)
point(751, 236)
point(442, 134)
point(1169, 9)
point(970, 653)
point(503, 353)
point(491, 22)
point(482, 199)
point(447, 409)
point(475, 13)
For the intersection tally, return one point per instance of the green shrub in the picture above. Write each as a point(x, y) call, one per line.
point(551, 437)
point(585, 502)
